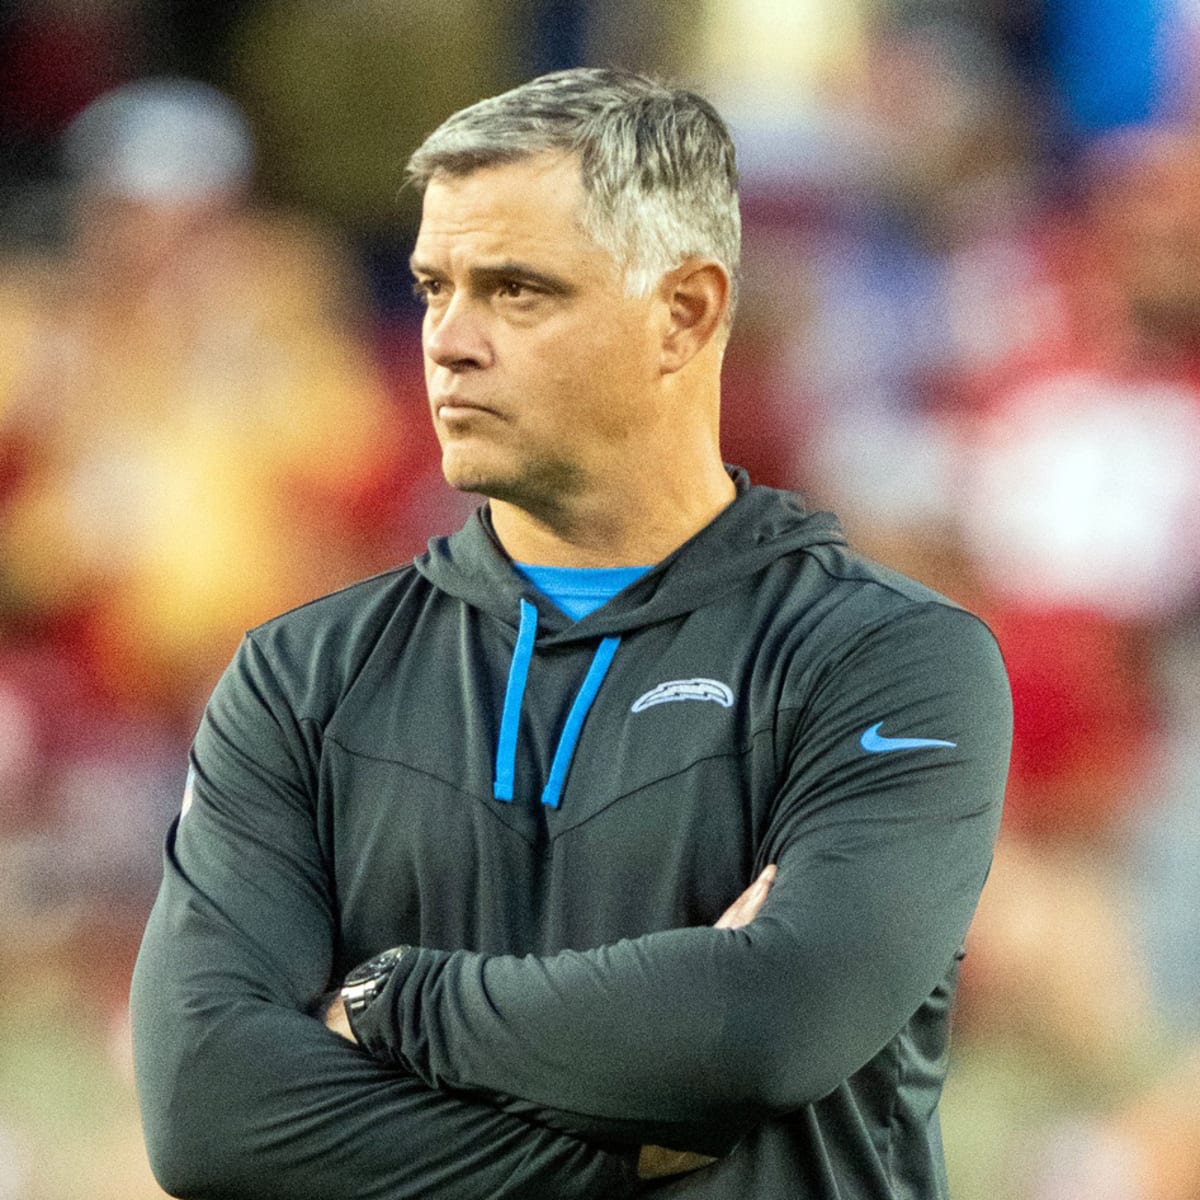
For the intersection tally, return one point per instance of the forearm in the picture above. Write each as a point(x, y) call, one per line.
point(244, 1097)
point(243, 1092)
point(690, 1036)
point(638, 1064)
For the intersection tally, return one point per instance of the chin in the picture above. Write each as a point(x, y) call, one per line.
point(534, 485)
point(467, 473)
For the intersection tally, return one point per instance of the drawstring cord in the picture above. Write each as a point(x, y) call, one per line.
point(552, 792)
point(514, 695)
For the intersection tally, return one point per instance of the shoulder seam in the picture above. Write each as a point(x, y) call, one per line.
point(933, 598)
point(840, 652)
point(349, 587)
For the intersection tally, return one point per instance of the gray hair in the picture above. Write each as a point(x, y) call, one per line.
point(658, 165)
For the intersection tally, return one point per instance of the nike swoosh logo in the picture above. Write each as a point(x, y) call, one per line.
point(875, 742)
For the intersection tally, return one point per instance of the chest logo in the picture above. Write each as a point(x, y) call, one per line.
point(685, 689)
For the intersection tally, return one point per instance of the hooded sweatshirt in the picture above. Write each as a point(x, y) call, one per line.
point(553, 814)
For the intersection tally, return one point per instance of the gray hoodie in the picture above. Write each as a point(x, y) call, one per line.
point(555, 813)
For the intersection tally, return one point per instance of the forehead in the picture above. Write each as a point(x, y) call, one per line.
point(527, 209)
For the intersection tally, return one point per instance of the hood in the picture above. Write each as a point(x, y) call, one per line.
point(760, 525)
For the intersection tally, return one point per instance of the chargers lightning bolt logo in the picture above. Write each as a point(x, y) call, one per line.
point(874, 742)
point(685, 689)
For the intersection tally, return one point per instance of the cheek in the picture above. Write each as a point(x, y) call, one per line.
point(426, 330)
point(590, 374)
point(605, 404)
point(616, 360)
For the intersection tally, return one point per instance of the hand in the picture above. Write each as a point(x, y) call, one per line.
point(656, 1161)
point(334, 1017)
point(745, 908)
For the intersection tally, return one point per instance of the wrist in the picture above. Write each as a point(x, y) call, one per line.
point(362, 986)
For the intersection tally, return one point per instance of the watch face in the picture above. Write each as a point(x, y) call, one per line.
point(367, 978)
point(375, 967)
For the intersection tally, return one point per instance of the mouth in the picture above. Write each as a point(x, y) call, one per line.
point(458, 408)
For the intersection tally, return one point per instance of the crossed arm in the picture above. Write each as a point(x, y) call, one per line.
point(654, 1161)
point(244, 1093)
point(691, 1037)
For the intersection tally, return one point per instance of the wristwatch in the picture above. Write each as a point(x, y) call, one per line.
point(365, 982)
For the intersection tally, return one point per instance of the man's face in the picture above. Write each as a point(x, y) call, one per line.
point(538, 366)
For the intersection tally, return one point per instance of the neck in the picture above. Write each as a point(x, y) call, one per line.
point(642, 498)
point(636, 521)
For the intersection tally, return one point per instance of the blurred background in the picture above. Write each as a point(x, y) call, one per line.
point(970, 325)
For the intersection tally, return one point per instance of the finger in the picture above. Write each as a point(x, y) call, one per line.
point(337, 1021)
point(731, 918)
point(656, 1161)
point(741, 911)
point(758, 893)
point(746, 907)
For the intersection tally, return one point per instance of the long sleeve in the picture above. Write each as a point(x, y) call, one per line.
point(243, 1092)
point(691, 1036)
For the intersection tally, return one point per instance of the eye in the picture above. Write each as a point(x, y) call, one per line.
point(426, 289)
point(514, 289)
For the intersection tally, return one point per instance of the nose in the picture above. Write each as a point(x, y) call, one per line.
point(455, 336)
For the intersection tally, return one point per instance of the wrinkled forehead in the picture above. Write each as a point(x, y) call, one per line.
point(533, 204)
point(543, 175)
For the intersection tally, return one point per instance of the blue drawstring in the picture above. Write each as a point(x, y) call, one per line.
point(552, 792)
point(510, 720)
point(514, 695)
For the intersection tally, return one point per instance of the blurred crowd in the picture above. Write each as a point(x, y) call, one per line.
point(970, 325)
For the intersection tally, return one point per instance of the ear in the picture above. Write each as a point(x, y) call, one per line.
point(696, 296)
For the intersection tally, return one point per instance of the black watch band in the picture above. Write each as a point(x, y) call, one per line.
point(365, 982)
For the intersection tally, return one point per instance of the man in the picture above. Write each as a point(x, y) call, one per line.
point(509, 788)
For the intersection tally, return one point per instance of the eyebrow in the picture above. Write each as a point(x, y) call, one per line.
point(509, 269)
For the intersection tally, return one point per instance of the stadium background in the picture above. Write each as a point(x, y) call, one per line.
point(970, 325)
